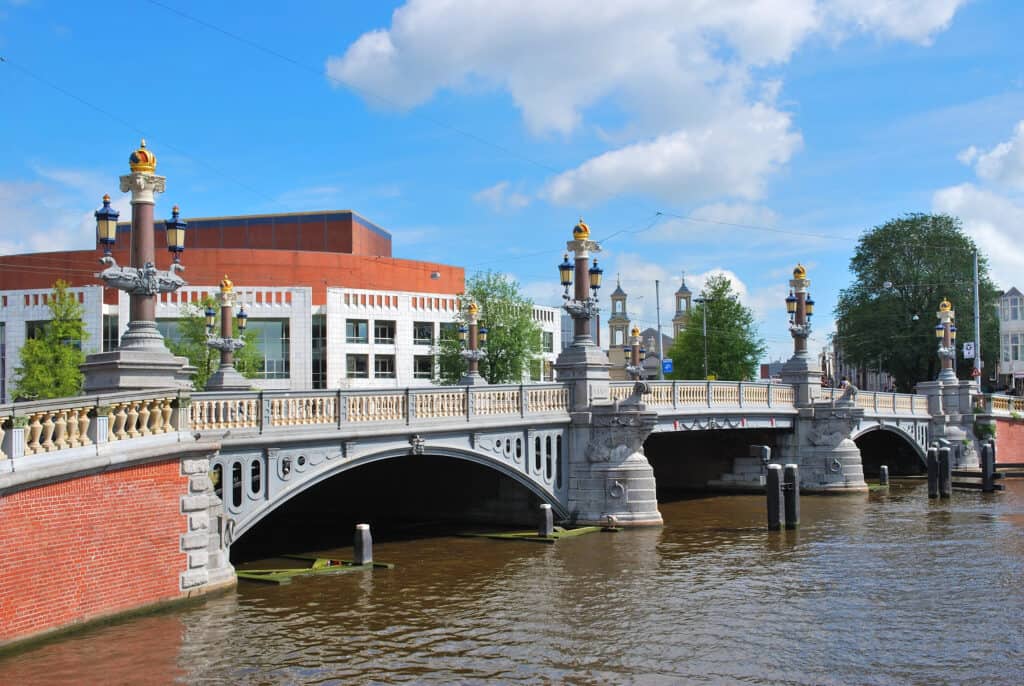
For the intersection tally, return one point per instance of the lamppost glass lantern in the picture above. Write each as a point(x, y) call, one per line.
point(595, 277)
point(809, 305)
point(106, 225)
point(175, 229)
point(939, 329)
point(791, 303)
point(242, 318)
point(211, 318)
point(481, 335)
point(463, 332)
point(565, 271)
point(952, 331)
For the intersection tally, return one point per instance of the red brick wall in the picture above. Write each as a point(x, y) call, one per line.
point(1009, 440)
point(90, 547)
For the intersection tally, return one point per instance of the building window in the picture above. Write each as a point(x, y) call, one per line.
point(111, 339)
point(618, 337)
point(169, 329)
point(38, 329)
point(356, 331)
point(423, 333)
point(383, 331)
point(1006, 347)
point(536, 367)
point(423, 367)
point(272, 344)
point(319, 358)
point(548, 341)
point(356, 366)
point(618, 306)
point(449, 331)
point(1017, 346)
point(1015, 308)
point(383, 366)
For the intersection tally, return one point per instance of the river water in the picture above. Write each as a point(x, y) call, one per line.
point(880, 589)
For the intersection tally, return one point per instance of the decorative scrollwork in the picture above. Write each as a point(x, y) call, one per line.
point(581, 309)
point(416, 444)
point(145, 280)
point(227, 345)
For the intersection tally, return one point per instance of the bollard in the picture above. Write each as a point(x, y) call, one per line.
point(763, 453)
point(933, 472)
point(945, 473)
point(883, 475)
point(362, 545)
point(773, 488)
point(988, 468)
point(791, 491)
point(546, 527)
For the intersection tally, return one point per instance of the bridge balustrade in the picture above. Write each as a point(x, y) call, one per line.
point(877, 402)
point(261, 410)
point(998, 404)
point(49, 426)
point(708, 394)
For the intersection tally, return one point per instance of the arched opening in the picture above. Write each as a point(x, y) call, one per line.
point(401, 497)
point(685, 461)
point(882, 446)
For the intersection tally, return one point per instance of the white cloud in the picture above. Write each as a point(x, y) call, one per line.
point(500, 199)
point(698, 123)
point(1003, 164)
point(913, 20)
point(995, 222)
point(731, 157)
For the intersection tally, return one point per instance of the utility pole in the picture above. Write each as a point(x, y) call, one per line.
point(977, 325)
point(704, 326)
point(657, 308)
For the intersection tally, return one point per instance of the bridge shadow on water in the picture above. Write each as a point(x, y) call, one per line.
point(402, 498)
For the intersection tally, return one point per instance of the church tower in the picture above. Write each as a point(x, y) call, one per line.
point(618, 322)
point(682, 315)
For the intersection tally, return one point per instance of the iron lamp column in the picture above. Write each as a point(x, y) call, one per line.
point(945, 331)
point(226, 378)
point(470, 337)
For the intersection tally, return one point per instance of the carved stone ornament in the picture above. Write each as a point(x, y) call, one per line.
point(227, 345)
point(147, 280)
point(830, 432)
point(416, 444)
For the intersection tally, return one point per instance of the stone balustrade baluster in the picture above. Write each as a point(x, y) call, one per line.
point(143, 419)
point(46, 435)
point(60, 430)
point(120, 420)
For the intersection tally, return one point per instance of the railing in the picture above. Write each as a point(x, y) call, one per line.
point(263, 410)
point(1004, 405)
point(883, 403)
point(48, 426)
point(708, 394)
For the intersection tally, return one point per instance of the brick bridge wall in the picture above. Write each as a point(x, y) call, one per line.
point(1009, 440)
point(90, 547)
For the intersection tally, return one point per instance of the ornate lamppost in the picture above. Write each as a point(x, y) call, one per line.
point(802, 369)
point(142, 360)
point(634, 363)
point(471, 337)
point(226, 378)
point(945, 331)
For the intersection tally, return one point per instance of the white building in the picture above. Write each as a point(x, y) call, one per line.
point(357, 339)
point(1011, 340)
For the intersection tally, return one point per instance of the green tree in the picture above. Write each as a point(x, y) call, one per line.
point(191, 343)
point(50, 359)
point(513, 337)
point(733, 346)
point(902, 270)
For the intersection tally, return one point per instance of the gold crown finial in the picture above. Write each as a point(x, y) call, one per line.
point(800, 272)
point(581, 231)
point(226, 286)
point(636, 331)
point(106, 197)
point(473, 309)
point(945, 305)
point(142, 160)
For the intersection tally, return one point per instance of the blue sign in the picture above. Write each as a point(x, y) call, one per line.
point(666, 366)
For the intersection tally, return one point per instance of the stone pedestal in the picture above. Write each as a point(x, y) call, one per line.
point(584, 367)
point(950, 404)
point(802, 372)
point(609, 473)
point(829, 460)
point(227, 378)
point(137, 369)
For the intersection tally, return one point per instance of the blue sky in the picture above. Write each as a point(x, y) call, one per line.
point(477, 132)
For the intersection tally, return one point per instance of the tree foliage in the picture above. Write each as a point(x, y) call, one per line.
point(513, 337)
point(191, 343)
point(733, 345)
point(50, 360)
point(902, 270)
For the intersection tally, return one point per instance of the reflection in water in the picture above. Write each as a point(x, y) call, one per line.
point(879, 589)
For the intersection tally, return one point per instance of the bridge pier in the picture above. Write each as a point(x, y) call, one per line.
point(609, 473)
point(829, 460)
point(950, 403)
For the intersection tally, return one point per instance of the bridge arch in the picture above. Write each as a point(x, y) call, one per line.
point(242, 517)
point(890, 445)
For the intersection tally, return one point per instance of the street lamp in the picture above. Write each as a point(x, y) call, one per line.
point(945, 330)
point(703, 301)
point(226, 378)
point(141, 280)
point(581, 306)
point(470, 338)
point(800, 307)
